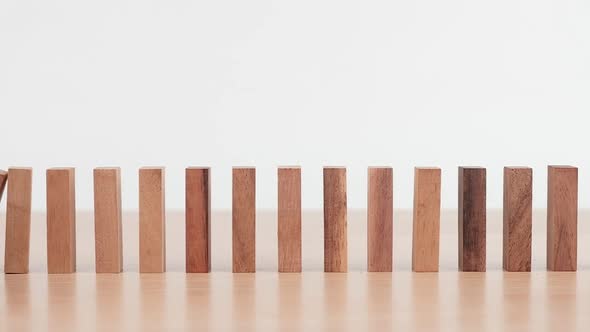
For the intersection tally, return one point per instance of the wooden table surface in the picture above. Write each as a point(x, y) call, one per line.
point(266, 300)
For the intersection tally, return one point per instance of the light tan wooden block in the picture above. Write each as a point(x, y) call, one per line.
point(18, 220)
point(198, 219)
point(108, 232)
point(289, 219)
point(562, 218)
point(152, 220)
point(426, 219)
point(335, 220)
point(3, 178)
point(380, 219)
point(518, 217)
point(61, 220)
point(244, 220)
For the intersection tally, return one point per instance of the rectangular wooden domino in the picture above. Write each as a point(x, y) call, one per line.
point(517, 221)
point(244, 220)
point(198, 219)
point(3, 178)
point(18, 220)
point(289, 219)
point(426, 219)
point(380, 219)
point(562, 218)
point(472, 219)
point(108, 232)
point(152, 220)
point(61, 220)
point(335, 219)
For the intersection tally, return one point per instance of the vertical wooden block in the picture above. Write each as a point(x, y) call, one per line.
point(472, 219)
point(426, 219)
point(289, 219)
point(198, 219)
point(152, 220)
point(244, 220)
point(61, 220)
point(18, 220)
point(518, 217)
point(108, 233)
point(3, 178)
point(562, 218)
point(380, 219)
point(335, 224)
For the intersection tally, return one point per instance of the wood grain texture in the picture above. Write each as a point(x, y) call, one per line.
point(517, 219)
point(380, 219)
point(61, 220)
point(472, 219)
point(426, 219)
point(18, 220)
point(244, 220)
point(3, 178)
point(108, 231)
point(335, 220)
point(562, 218)
point(289, 219)
point(152, 220)
point(198, 219)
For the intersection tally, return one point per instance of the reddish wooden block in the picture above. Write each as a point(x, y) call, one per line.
point(380, 219)
point(244, 220)
point(472, 219)
point(289, 219)
point(198, 220)
point(518, 217)
point(3, 178)
point(426, 219)
point(152, 220)
point(61, 220)
point(335, 241)
point(108, 233)
point(18, 220)
point(562, 218)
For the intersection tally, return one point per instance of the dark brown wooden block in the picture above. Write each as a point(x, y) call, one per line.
point(562, 218)
point(152, 220)
point(18, 220)
point(472, 219)
point(426, 219)
point(244, 220)
point(61, 220)
point(289, 219)
point(335, 222)
point(518, 216)
point(380, 219)
point(3, 178)
point(108, 232)
point(198, 220)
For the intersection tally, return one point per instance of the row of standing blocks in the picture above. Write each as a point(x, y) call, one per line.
point(562, 205)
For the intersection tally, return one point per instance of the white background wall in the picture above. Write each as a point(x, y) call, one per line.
point(265, 83)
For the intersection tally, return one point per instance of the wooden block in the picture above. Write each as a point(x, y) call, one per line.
point(244, 220)
point(198, 220)
point(562, 218)
point(289, 219)
point(518, 217)
point(472, 219)
point(108, 233)
point(3, 178)
point(380, 219)
point(152, 220)
point(426, 219)
point(335, 224)
point(18, 220)
point(61, 220)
